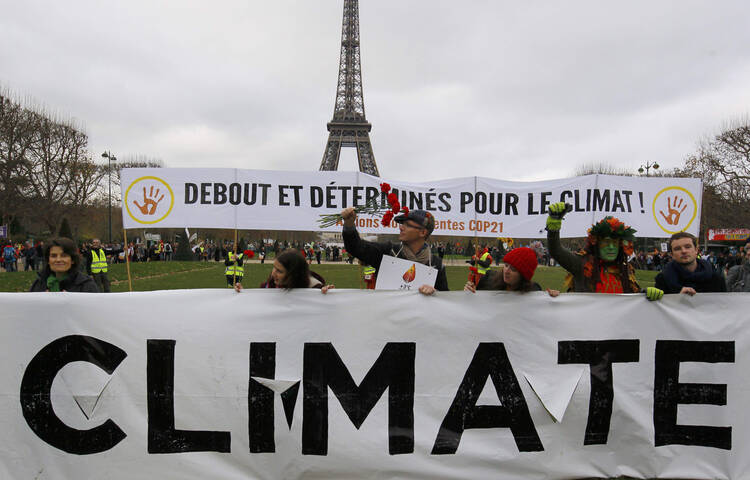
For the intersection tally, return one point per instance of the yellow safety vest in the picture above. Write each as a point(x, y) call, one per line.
point(480, 269)
point(235, 270)
point(98, 262)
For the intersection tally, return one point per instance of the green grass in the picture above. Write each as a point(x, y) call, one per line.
point(185, 275)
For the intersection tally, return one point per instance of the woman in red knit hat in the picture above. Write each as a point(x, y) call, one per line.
point(518, 268)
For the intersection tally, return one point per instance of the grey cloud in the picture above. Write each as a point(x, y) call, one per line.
point(502, 89)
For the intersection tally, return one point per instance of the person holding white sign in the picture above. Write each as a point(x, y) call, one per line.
point(415, 228)
point(602, 266)
point(519, 266)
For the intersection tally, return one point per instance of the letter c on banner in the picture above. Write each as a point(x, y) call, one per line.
point(36, 385)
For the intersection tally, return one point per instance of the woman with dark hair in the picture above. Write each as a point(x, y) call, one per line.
point(290, 270)
point(61, 272)
point(518, 268)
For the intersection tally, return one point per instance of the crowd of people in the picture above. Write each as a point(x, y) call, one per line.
point(606, 264)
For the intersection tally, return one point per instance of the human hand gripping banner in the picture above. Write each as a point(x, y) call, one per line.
point(275, 384)
point(281, 200)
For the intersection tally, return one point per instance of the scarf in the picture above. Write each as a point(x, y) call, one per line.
point(53, 282)
point(677, 276)
point(423, 256)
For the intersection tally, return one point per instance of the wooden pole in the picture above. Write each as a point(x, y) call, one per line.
point(127, 259)
point(234, 249)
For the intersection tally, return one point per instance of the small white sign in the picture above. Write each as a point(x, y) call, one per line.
point(664, 247)
point(399, 274)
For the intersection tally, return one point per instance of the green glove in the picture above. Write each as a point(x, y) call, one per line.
point(554, 220)
point(653, 293)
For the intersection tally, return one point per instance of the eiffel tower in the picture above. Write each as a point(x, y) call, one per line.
point(349, 127)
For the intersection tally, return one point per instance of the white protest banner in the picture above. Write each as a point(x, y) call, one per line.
point(281, 200)
point(352, 384)
point(399, 274)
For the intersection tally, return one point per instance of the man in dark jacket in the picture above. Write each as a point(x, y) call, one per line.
point(738, 278)
point(687, 273)
point(414, 229)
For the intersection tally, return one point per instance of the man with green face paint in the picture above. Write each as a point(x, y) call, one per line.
point(602, 266)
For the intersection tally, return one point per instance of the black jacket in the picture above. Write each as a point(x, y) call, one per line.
point(371, 253)
point(705, 278)
point(75, 282)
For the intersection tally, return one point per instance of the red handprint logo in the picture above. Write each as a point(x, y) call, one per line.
point(673, 209)
point(149, 202)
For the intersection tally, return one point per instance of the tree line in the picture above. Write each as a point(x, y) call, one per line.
point(48, 177)
point(722, 161)
point(46, 172)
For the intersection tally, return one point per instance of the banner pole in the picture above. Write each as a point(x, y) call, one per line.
point(127, 258)
point(476, 240)
point(234, 248)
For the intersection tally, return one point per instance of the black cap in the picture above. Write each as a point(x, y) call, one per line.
point(422, 217)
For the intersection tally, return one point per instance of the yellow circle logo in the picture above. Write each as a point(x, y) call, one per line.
point(150, 201)
point(674, 209)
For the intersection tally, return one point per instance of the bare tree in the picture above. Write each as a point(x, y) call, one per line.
point(46, 170)
point(593, 168)
point(16, 137)
point(54, 166)
point(723, 162)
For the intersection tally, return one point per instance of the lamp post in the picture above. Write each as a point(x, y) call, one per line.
point(648, 166)
point(110, 158)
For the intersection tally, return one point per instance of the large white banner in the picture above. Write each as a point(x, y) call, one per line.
point(280, 200)
point(273, 384)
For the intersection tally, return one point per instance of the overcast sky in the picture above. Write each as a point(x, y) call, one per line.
point(509, 90)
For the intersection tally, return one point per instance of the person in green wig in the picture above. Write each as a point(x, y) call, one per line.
point(602, 266)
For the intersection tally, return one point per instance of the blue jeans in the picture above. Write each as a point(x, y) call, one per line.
point(10, 265)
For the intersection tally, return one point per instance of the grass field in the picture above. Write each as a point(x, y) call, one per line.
point(180, 275)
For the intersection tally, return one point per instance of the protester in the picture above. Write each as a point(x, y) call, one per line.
point(369, 275)
point(519, 266)
point(602, 266)
point(738, 278)
point(414, 229)
point(10, 257)
point(234, 268)
point(290, 270)
point(29, 257)
point(480, 265)
point(61, 271)
point(96, 265)
point(687, 273)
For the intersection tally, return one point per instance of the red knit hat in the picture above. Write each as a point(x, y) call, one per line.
point(522, 259)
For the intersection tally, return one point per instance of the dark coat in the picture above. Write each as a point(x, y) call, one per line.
point(371, 253)
point(738, 278)
point(75, 282)
point(705, 278)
